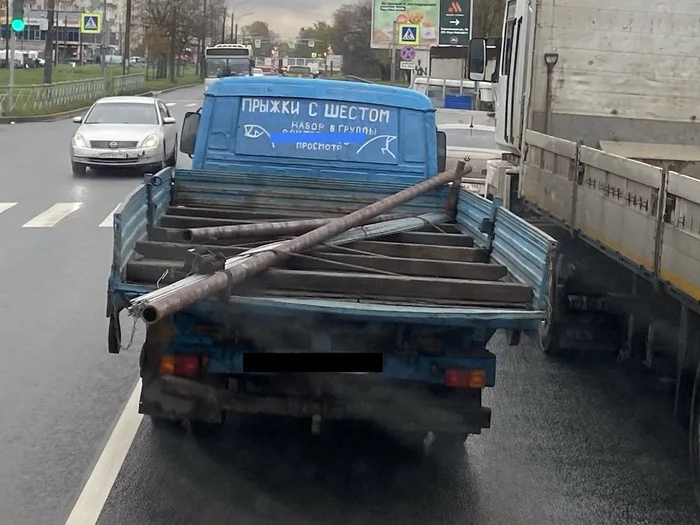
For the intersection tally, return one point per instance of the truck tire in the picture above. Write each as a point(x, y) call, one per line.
point(78, 169)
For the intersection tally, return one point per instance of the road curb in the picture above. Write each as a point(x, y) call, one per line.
point(75, 112)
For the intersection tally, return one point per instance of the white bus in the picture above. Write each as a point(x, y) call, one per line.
point(227, 60)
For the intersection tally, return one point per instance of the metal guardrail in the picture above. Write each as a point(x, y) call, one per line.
point(39, 99)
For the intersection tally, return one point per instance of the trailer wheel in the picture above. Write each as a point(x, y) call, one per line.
point(548, 334)
point(694, 434)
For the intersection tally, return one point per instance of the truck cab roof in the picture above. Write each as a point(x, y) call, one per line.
point(316, 128)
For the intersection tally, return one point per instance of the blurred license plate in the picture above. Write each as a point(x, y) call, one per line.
point(113, 155)
point(476, 188)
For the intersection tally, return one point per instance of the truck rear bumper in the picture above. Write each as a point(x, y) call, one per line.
point(180, 398)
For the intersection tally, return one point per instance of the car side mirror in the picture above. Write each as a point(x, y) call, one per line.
point(441, 151)
point(169, 120)
point(78, 119)
point(477, 59)
point(188, 137)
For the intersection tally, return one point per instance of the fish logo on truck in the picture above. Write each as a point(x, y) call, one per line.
point(315, 129)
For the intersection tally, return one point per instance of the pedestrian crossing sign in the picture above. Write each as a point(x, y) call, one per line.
point(409, 34)
point(90, 23)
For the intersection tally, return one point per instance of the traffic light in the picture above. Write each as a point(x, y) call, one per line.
point(17, 23)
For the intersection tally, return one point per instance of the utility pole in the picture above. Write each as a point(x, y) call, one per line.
point(223, 27)
point(105, 37)
point(11, 65)
point(393, 54)
point(204, 40)
point(48, 45)
point(127, 38)
point(233, 24)
point(173, 39)
point(7, 25)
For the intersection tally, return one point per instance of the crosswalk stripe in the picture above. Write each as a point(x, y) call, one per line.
point(4, 206)
point(109, 220)
point(53, 215)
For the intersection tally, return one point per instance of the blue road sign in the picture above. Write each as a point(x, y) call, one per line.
point(409, 34)
point(90, 23)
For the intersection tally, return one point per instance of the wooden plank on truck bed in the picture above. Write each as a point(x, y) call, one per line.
point(358, 285)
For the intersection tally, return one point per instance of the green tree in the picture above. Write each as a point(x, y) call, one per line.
point(351, 38)
point(320, 33)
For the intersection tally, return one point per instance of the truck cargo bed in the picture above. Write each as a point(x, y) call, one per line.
point(436, 265)
point(450, 270)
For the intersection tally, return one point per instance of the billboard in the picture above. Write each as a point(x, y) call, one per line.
point(389, 16)
point(455, 22)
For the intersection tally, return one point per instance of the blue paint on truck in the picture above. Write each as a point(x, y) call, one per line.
point(384, 133)
point(269, 147)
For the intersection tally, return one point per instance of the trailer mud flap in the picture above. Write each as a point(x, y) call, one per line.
point(114, 334)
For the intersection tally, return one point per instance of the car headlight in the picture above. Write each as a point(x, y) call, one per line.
point(150, 142)
point(79, 141)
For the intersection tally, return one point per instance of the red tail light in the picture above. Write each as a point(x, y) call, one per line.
point(461, 378)
point(180, 365)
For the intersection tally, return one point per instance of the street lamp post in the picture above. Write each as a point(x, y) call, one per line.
point(234, 25)
point(234, 33)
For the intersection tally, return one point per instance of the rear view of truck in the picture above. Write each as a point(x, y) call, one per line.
point(313, 264)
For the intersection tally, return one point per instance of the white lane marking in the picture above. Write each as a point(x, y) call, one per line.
point(170, 104)
point(53, 215)
point(4, 206)
point(109, 220)
point(92, 499)
point(191, 105)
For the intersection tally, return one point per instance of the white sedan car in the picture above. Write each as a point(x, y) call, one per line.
point(125, 132)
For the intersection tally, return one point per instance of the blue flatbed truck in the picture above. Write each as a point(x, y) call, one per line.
point(398, 323)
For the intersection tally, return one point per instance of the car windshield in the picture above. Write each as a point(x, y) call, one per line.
point(470, 138)
point(122, 113)
point(227, 67)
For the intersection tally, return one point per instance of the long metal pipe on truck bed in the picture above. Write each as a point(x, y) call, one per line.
point(235, 231)
point(186, 296)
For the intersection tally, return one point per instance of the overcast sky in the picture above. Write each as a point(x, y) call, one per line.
point(287, 16)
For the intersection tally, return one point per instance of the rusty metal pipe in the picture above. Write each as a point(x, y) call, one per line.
point(235, 231)
point(161, 307)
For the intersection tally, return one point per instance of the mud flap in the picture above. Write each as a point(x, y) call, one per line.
point(114, 333)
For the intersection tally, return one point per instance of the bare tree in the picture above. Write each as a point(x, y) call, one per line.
point(351, 38)
point(173, 25)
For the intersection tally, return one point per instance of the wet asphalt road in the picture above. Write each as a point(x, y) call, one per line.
point(61, 391)
point(574, 440)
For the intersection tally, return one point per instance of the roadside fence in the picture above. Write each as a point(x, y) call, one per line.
point(42, 99)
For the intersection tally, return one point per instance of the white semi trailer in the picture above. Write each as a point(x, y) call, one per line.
point(597, 103)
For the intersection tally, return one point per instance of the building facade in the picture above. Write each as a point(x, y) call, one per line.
point(70, 43)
